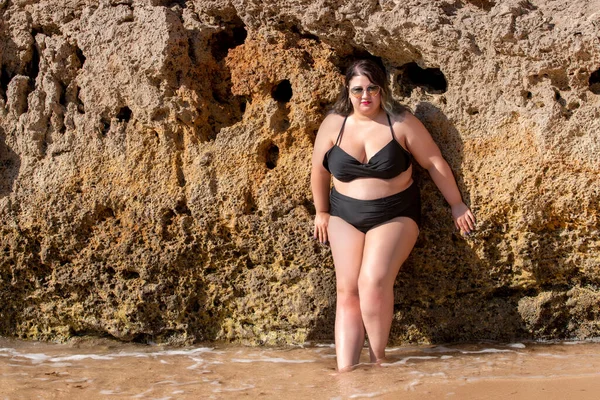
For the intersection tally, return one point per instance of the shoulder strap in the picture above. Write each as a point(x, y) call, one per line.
point(339, 138)
point(390, 122)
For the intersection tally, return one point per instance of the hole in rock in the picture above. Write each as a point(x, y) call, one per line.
point(80, 106)
point(4, 80)
point(104, 126)
point(63, 92)
point(182, 209)
point(50, 29)
point(144, 338)
point(167, 217)
point(284, 125)
point(33, 68)
point(250, 206)
point(128, 275)
point(80, 56)
point(180, 176)
point(557, 96)
point(472, 111)
point(308, 60)
point(484, 4)
point(181, 3)
point(124, 114)
point(195, 305)
point(192, 50)
point(105, 214)
point(272, 156)
point(504, 291)
point(595, 82)
point(228, 108)
point(227, 39)
point(450, 8)
point(84, 332)
point(303, 34)
point(282, 92)
point(432, 80)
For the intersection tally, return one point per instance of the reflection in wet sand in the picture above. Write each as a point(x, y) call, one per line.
point(96, 369)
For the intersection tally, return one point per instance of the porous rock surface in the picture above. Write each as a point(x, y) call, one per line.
point(155, 162)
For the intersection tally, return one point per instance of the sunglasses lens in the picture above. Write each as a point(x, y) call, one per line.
point(373, 90)
point(356, 91)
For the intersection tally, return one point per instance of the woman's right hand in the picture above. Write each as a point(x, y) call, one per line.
point(321, 223)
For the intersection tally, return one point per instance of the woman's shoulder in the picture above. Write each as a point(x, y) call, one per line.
point(328, 131)
point(332, 122)
point(405, 120)
point(401, 116)
point(333, 118)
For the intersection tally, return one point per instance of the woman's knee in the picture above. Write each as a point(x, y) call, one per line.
point(373, 293)
point(348, 296)
point(369, 283)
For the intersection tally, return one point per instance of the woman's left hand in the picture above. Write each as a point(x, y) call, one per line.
point(463, 218)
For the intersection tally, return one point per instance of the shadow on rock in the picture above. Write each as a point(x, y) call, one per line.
point(10, 163)
point(444, 291)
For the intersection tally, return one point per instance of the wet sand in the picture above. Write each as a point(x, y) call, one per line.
point(99, 369)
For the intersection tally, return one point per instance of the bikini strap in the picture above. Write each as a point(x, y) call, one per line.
point(339, 138)
point(394, 137)
point(390, 122)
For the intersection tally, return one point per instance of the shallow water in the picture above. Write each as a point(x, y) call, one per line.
point(98, 369)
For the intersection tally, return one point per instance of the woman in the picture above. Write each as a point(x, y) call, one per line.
point(371, 216)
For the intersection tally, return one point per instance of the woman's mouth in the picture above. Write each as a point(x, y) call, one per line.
point(365, 103)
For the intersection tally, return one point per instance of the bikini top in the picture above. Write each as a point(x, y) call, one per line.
point(387, 163)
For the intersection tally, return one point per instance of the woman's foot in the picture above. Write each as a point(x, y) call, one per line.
point(380, 361)
point(348, 368)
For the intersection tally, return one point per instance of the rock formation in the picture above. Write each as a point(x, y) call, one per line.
point(155, 161)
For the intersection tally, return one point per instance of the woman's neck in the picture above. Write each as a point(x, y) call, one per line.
point(360, 117)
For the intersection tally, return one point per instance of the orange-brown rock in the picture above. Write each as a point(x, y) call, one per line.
point(155, 161)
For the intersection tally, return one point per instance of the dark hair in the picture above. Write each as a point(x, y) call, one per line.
point(377, 75)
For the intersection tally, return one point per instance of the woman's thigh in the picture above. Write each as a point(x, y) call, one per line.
point(347, 245)
point(386, 247)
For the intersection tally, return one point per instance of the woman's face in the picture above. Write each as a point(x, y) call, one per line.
point(364, 95)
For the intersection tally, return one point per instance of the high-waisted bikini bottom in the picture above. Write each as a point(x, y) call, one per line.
point(366, 214)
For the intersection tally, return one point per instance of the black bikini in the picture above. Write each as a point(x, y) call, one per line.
point(387, 163)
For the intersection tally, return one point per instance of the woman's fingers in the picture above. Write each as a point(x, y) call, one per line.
point(466, 222)
point(471, 220)
point(323, 234)
point(463, 218)
point(321, 222)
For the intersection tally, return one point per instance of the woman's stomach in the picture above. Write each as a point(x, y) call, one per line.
point(374, 188)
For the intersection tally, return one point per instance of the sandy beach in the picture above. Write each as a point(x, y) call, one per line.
point(100, 369)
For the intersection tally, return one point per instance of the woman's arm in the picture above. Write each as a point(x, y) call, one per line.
point(320, 179)
point(428, 155)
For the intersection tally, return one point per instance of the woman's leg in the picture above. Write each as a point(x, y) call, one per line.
point(347, 249)
point(386, 247)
